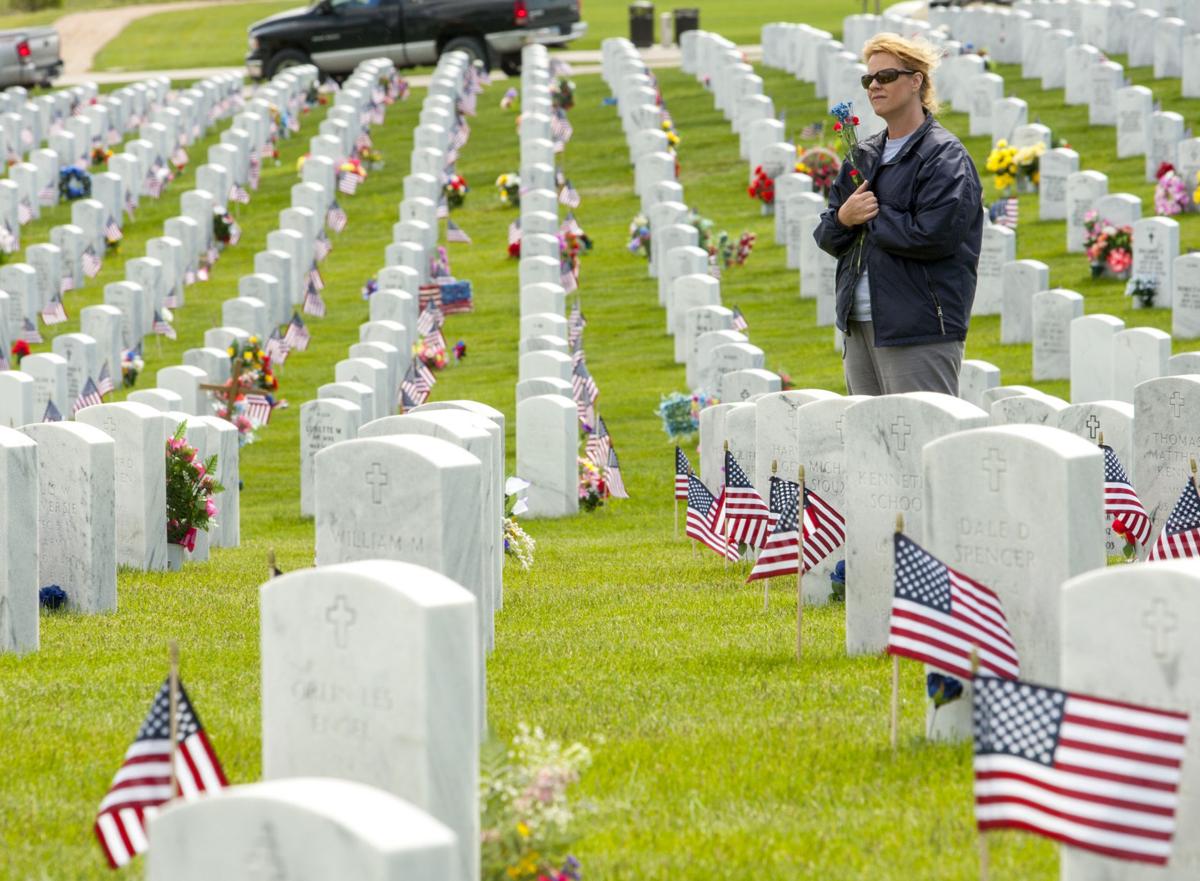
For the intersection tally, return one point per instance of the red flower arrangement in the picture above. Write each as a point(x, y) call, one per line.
point(19, 350)
point(762, 187)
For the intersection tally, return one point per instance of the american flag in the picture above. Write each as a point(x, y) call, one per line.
point(599, 443)
point(443, 209)
point(940, 616)
point(104, 384)
point(514, 233)
point(363, 141)
point(1180, 537)
point(348, 183)
point(130, 204)
point(406, 402)
point(24, 212)
point(321, 247)
point(811, 131)
point(745, 508)
point(1093, 773)
point(575, 325)
point(434, 343)
point(567, 277)
point(316, 281)
point(699, 526)
point(570, 226)
point(824, 532)
point(455, 233)
point(91, 262)
point(296, 336)
point(430, 319)
point(313, 304)
point(569, 196)
point(683, 468)
point(561, 129)
point(1005, 212)
point(89, 397)
point(458, 139)
point(143, 782)
point(779, 554)
point(179, 158)
point(162, 327)
point(583, 386)
point(55, 312)
point(276, 349)
point(612, 476)
point(237, 193)
point(51, 414)
point(258, 409)
point(30, 333)
point(417, 382)
point(739, 320)
point(48, 195)
point(254, 168)
point(467, 103)
point(335, 217)
point(1121, 503)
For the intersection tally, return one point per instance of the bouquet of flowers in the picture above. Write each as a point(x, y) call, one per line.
point(592, 488)
point(372, 157)
point(251, 367)
point(1196, 192)
point(1015, 166)
point(680, 413)
point(762, 188)
point(191, 485)
point(511, 96)
point(744, 246)
point(562, 94)
point(19, 350)
point(1143, 288)
point(354, 167)
point(100, 156)
point(517, 542)
point(526, 812)
point(822, 165)
point(131, 365)
point(847, 129)
point(509, 187)
point(240, 417)
point(456, 190)
point(1108, 247)
point(668, 127)
point(460, 351)
point(639, 235)
point(225, 229)
point(1170, 193)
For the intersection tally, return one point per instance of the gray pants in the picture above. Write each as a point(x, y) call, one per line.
point(889, 370)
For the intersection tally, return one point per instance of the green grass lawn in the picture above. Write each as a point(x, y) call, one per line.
point(717, 755)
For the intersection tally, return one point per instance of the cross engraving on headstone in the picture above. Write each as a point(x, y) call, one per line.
point(838, 424)
point(377, 479)
point(110, 426)
point(994, 465)
point(900, 431)
point(1160, 621)
point(745, 393)
point(264, 860)
point(341, 616)
point(1176, 402)
point(1093, 426)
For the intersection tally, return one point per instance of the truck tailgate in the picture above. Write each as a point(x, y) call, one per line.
point(547, 13)
point(43, 46)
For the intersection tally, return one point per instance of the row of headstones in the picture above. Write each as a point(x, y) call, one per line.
point(718, 358)
point(1018, 508)
point(121, 323)
point(547, 413)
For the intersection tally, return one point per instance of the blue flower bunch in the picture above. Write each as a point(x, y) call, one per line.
point(52, 597)
point(74, 182)
point(942, 689)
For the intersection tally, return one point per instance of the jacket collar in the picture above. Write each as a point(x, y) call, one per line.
point(874, 144)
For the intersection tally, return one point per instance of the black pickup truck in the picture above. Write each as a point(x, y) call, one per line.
point(336, 35)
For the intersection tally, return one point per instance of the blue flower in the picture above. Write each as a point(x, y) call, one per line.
point(942, 690)
point(52, 597)
point(843, 111)
point(838, 575)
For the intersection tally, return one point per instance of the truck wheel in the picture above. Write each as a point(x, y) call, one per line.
point(473, 46)
point(285, 59)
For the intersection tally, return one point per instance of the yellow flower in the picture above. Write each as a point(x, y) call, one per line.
point(801, 168)
point(523, 830)
point(231, 352)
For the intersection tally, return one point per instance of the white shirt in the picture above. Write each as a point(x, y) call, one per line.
point(861, 310)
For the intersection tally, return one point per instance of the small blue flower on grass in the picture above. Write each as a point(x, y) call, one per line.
point(942, 689)
point(52, 597)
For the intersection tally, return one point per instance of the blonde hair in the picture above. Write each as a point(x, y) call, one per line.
point(921, 57)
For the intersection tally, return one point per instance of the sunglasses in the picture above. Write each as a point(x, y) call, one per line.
point(885, 76)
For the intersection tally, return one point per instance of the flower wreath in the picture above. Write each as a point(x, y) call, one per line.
point(74, 183)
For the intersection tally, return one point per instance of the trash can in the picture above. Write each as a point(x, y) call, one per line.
point(686, 20)
point(641, 24)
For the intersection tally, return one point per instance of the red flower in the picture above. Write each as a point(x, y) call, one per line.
point(1118, 527)
point(1163, 169)
point(854, 120)
point(19, 350)
point(514, 250)
point(837, 126)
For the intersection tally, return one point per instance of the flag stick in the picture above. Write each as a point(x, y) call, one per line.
point(725, 516)
point(767, 581)
point(800, 570)
point(271, 564)
point(677, 518)
point(896, 665)
point(173, 709)
point(984, 853)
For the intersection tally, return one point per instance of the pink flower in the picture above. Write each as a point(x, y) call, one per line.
point(1119, 260)
point(210, 507)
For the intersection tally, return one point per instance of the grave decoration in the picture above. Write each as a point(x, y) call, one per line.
point(247, 398)
point(52, 598)
point(191, 485)
point(639, 235)
point(527, 816)
point(518, 544)
point(100, 156)
point(822, 165)
point(19, 350)
point(1015, 167)
point(508, 186)
point(350, 174)
point(509, 98)
point(370, 286)
point(1143, 288)
point(593, 489)
point(131, 365)
point(455, 191)
point(680, 412)
point(846, 128)
point(562, 94)
point(762, 188)
point(74, 183)
point(1170, 193)
point(1109, 248)
point(225, 229)
point(668, 127)
point(460, 351)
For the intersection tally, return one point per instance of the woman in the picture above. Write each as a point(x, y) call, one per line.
point(907, 238)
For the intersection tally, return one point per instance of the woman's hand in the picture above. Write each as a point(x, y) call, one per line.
point(859, 208)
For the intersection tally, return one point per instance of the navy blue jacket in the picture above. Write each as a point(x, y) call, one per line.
point(922, 249)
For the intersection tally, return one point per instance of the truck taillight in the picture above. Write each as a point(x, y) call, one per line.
point(520, 12)
point(23, 49)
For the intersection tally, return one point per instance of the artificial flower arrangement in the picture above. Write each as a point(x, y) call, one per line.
point(1015, 166)
point(527, 817)
point(593, 489)
point(460, 351)
point(74, 183)
point(508, 188)
point(762, 188)
point(639, 235)
point(353, 166)
point(822, 165)
point(369, 287)
point(680, 412)
point(518, 544)
point(1109, 248)
point(100, 156)
point(18, 351)
point(225, 229)
point(1196, 192)
point(511, 97)
point(573, 244)
point(131, 365)
point(431, 349)
point(251, 366)
point(1143, 288)
point(191, 485)
point(455, 190)
point(1170, 193)
point(372, 157)
point(562, 94)
point(668, 127)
